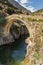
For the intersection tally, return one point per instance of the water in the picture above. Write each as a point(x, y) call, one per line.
point(13, 54)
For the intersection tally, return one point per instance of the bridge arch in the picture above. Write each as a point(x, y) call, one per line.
point(20, 28)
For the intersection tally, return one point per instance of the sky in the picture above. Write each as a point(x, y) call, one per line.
point(32, 5)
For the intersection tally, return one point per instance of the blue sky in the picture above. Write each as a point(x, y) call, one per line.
point(32, 5)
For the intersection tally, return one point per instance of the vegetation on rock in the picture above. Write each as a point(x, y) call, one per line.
point(2, 21)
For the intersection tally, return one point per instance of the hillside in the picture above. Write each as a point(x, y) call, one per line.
point(17, 5)
point(39, 12)
point(6, 8)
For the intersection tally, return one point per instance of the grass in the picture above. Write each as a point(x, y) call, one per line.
point(34, 20)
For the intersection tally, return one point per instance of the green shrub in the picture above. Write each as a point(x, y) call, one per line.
point(36, 55)
point(29, 19)
point(10, 10)
point(34, 19)
point(40, 20)
point(2, 21)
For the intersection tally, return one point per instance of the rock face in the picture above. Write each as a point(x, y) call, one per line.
point(6, 40)
point(16, 29)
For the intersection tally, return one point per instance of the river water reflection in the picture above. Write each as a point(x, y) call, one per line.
point(13, 54)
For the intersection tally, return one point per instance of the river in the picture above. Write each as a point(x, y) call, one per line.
point(14, 53)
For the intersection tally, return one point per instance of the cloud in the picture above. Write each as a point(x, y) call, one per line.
point(27, 4)
point(24, 1)
point(17, 0)
point(32, 9)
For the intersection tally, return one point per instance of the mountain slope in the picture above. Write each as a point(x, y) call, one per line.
point(6, 8)
point(39, 12)
point(17, 5)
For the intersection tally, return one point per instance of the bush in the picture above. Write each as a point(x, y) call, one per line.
point(29, 19)
point(2, 21)
point(36, 55)
point(34, 19)
point(9, 10)
point(40, 20)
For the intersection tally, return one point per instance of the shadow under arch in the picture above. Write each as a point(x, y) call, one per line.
point(14, 53)
point(18, 28)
